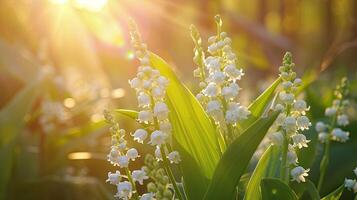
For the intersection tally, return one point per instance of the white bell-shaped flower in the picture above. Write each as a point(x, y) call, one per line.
point(350, 184)
point(291, 157)
point(165, 126)
point(300, 106)
point(339, 135)
point(323, 137)
point(303, 123)
point(290, 124)
point(135, 83)
point(140, 135)
point(113, 178)
point(162, 81)
point(124, 190)
point(286, 97)
point(161, 111)
point(139, 176)
point(342, 120)
point(132, 154)
point(300, 140)
point(212, 90)
point(157, 138)
point(174, 157)
point(331, 111)
point(212, 64)
point(158, 93)
point(147, 196)
point(217, 77)
point(298, 174)
point(232, 72)
point(145, 116)
point(231, 91)
point(320, 127)
point(143, 99)
point(123, 161)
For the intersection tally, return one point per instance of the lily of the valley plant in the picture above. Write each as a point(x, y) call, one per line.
point(201, 144)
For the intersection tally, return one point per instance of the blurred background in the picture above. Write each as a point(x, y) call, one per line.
point(62, 62)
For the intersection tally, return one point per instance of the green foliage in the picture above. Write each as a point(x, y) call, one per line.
point(259, 105)
point(11, 125)
point(275, 189)
point(236, 158)
point(193, 128)
point(335, 195)
point(267, 166)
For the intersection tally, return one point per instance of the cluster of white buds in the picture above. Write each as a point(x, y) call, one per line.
point(337, 115)
point(219, 74)
point(351, 184)
point(150, 87)
point(291, 120)
point(120, 155)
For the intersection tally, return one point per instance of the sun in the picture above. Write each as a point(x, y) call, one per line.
point(91, 5)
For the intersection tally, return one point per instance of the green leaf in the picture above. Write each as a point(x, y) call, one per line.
point(236, 159)
point(193, 129)
point(308, 188)
point(266, 167)
point(129, 113)
point(11, 124)
point(335, 195)
point(259, 105)
point(275, 189)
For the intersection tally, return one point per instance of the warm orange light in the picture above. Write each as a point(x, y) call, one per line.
point(92, 5)
point(59, 1)
point(79, 156)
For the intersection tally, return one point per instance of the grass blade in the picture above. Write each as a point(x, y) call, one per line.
point(335, 195)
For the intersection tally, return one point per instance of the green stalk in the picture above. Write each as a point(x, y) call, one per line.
point(170, 174)
point(135, 192)
point(283, 167)
point(326, 157)
point(284, 170)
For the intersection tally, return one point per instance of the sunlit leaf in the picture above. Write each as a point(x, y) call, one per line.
point(193, 130)
point(236, 159)
point(274, 189)
point(266, 167)
point(335, 195)
point(259, 105)
point(129, 113)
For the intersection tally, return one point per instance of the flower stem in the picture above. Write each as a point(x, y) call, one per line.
point(135, 192)
point(283, 167)
point(326, 157)
point(170, 174)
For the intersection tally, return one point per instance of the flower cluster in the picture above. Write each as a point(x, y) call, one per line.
point(351, 184)
point(291, 120)
point(337, 115)
point(218, 74)
point(150, 89)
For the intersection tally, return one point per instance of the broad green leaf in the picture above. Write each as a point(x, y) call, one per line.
point(266, 167)
point(275, 189)
point(11, 124)
point(259, 105)
point(308, 188)
point(193, 129)
point(129, 113)
point(335, 195)
point(236, 158)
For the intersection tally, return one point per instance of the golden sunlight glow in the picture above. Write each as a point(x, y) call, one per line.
point(92, 5)
point(79, 156)
point(59, 1)
point(118, 93)
point(69, 102)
